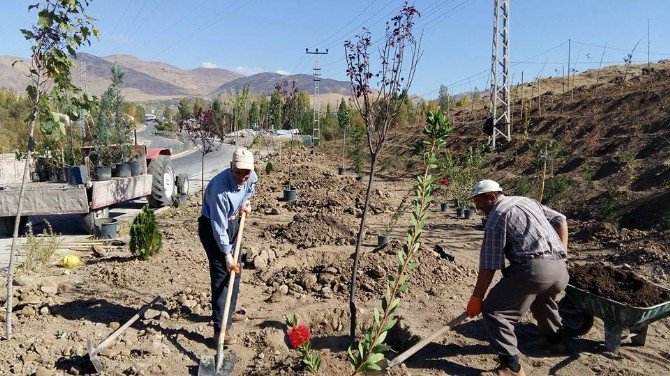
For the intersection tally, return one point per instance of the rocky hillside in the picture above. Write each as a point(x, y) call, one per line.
point(607, 145)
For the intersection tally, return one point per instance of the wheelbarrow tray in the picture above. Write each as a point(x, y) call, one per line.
point(615, 312)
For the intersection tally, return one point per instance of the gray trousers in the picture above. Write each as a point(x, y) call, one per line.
point(530, 286)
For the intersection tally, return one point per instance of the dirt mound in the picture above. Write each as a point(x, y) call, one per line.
point(313, 230)
point(617, 284)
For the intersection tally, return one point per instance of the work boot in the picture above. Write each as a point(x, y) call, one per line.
point(504, 370)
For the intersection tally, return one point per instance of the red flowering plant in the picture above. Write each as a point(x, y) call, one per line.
point(299, 338)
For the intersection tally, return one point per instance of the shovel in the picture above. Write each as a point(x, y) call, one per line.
point(225, 362)
point(450, 325)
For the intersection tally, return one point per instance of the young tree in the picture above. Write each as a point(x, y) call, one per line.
point(378, 106)
point(204, 133)
point(62, 27)
point(288, 90)
point(275, 110)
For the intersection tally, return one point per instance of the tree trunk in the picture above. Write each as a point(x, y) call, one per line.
point(357, 253)
point(12, 253)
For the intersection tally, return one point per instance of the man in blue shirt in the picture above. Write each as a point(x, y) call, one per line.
point(226, 196)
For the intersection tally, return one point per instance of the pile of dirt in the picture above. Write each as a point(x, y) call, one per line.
point(312, 230)
point(618, 284)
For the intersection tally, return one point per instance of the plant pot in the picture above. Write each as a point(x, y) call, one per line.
point(444, 206)
point(105, 228)
point(35, 176)
point(460, 212)
point(341, 170)
point(122, 170)
point(134, 168)
point(52, 176)
point(290, 194)
point(469, 213)
point(101, 173)
point(62, 174)
point(382, 240)
point(77, 175)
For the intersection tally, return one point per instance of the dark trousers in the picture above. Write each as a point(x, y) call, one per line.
point(218, 274)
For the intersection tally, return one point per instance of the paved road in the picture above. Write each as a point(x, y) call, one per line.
point(189, 162)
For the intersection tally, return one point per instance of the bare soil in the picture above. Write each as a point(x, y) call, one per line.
point(620, 285)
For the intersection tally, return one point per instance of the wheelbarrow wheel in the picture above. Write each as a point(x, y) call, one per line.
point(575, 321)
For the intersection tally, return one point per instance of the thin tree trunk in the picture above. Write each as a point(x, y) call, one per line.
point(12, 253)
point(544, 173)
point(357, 253)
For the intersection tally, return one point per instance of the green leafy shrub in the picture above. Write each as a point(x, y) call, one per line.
point(269, 167)
point(145, 239)
point(525, 186)
point(611, 205)
point(39, 249)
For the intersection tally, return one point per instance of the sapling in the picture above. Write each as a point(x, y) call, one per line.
point(370, 349)
point(62, 27)
point(378, 106)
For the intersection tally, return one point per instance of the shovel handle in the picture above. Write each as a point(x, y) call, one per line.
point(450, 325)
point(125, 326)
point(229, 294)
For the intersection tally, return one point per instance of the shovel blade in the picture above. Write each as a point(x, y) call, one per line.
point(207, 366)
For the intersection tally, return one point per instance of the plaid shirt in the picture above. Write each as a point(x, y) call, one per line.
point(520, 229)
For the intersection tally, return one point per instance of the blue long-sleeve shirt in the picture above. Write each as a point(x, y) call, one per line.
point(223, 198)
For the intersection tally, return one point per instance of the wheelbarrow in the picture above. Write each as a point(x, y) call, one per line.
point(579, 307)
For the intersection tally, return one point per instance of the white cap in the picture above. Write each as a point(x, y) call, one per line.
point(485, 186)
point(243, 159)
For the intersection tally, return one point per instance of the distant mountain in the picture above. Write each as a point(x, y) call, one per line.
point(154, 80)
point(265, 83)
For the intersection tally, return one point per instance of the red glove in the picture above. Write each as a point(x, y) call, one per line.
point(474, 307)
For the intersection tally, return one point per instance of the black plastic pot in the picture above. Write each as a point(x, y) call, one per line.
point(101, 173)
point(62, 174)
point(460, 212)
point(469, 213)
point(290, 194)
point(106, 228)
point(382, 240)
point(77, 175)
point(52, 176)
point(122, 170)
point(134, 168)
point(35, 176)
point(444, 206)
point(341, 170)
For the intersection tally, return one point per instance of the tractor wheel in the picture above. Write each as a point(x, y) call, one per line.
point(162, 187)
point(182, 184)
point(90, 218)
point(575, 321)
point(7, 225)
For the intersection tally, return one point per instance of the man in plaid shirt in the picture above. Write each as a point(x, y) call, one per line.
point(534, 240)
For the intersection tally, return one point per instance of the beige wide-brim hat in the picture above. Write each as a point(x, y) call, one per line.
point(484, 186)
point(243, 159)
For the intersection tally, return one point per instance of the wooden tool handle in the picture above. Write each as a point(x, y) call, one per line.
point(125, 326)
point(229, 294)
point(450, 325)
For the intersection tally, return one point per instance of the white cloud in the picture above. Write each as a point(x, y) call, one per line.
point(283, 72)
point(121, 39)
point(247, 71)
point(208, 64)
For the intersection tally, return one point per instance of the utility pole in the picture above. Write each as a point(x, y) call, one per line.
point(500, 95)
point(569, 53)
point(648, 45)
point(316, 129)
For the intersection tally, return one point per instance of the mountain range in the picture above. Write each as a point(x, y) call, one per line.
point(147, 81)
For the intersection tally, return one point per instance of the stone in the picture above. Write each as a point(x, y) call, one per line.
point(63, 288)
point(28, 311)
point(197, 310)
point(43, 371)
point(367, 287)
point(44, 311)
point(190, 303)
point(309, 281)
point(113, 325)
point(29, 299)
point(23, 280)
point(283, 289)
point(151, 314)
point(261, 261)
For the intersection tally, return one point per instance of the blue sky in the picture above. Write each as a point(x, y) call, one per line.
point(250, 36)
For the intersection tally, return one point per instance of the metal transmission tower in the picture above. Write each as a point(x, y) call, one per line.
point(82, 76)
point(316, 129)
point(500, 94)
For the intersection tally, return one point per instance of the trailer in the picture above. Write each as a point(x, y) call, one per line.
point(156, 181)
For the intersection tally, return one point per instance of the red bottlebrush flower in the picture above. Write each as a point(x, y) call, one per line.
point(444, 181)
point(298, 335)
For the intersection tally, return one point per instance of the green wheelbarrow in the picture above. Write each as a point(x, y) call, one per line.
point(579, 307)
